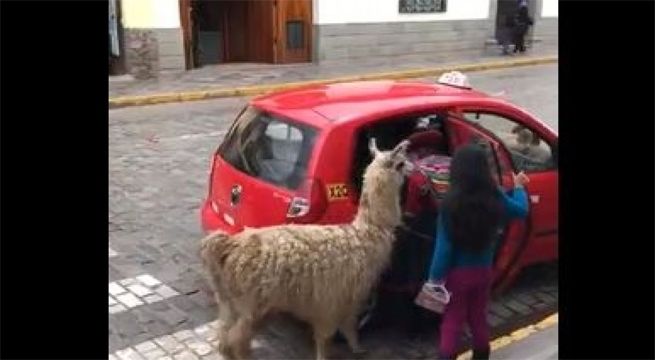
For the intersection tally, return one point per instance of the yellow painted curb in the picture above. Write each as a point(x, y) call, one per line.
point(195, 95)
point(517, 335)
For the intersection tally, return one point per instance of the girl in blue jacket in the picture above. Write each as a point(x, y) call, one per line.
point(471, 215)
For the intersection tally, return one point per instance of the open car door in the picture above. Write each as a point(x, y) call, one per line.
point(515, 235)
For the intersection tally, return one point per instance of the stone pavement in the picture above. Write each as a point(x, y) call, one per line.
point(285, 338)
point(245, 74)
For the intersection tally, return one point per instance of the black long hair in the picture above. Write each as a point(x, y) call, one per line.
point(472, 203)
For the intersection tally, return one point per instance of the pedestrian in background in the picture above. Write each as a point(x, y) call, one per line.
point(473, 212)
point(522, 24)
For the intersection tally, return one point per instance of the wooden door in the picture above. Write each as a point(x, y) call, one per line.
point(293, 31)
point(260, 30)
point(186, 20)
point(237, 30)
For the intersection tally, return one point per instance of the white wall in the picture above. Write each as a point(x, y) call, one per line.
point(151, 14)
point(549, 8)
point(371, 11)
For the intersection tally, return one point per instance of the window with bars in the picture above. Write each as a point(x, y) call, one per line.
point(421, 6)
point(295, 34)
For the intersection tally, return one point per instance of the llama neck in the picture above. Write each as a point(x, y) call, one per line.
point(379, 206)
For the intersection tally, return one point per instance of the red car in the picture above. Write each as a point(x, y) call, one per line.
point(297, 156)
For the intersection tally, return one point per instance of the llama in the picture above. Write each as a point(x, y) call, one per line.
point(321, 274)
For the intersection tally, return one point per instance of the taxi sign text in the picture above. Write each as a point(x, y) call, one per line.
point(337, 192)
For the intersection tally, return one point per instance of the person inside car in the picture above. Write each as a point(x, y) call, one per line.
point(416, 238)
point(428, 149)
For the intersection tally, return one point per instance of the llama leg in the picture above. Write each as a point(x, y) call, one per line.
point(225, 348)
point(226, 320)
point(321, 347)
point(322, 335)
point(349, 330)
point(239, 337)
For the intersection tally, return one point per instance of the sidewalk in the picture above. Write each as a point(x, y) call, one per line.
point(534, 342)
point(541, 345)
point(248, 79)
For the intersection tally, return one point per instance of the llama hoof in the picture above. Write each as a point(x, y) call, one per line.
point(224, 349)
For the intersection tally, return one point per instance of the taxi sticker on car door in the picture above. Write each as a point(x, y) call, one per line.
point(337, 192)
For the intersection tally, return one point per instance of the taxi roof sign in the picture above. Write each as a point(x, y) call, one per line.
point(456, 79)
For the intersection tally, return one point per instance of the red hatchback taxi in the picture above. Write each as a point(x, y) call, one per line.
point(298, 156)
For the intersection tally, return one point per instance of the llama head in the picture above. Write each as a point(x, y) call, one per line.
point(390, 166)
point(383, 178)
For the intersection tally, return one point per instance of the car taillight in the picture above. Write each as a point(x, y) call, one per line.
point(214, 206)
point(309, 203)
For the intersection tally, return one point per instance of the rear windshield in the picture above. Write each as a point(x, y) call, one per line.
point(269, 148)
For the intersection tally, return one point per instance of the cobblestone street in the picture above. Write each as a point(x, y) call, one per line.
point(159, 303)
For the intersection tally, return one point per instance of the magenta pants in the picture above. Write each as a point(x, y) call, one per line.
point(470, 288)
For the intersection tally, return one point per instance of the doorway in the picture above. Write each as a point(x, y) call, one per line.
point(262, 31)
point(209, 30)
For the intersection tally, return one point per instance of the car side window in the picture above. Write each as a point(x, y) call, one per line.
point(530, 153)
point(269, 148)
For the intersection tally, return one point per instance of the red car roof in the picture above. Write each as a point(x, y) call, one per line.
point(354, 100)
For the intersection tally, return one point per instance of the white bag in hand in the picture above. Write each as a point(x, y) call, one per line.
point(433, 297)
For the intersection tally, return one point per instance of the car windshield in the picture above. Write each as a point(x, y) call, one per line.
point(269, 148)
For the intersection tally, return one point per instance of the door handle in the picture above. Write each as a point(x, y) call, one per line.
point(534, 199)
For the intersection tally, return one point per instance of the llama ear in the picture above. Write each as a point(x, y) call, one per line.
point(402, 147)
point(373, 147)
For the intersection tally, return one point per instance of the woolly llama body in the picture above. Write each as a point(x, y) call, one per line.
point(321, 274)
